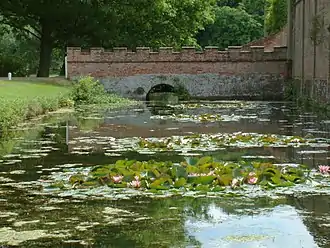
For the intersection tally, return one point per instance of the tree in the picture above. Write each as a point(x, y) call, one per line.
point(254, 7)
point(232, 26)
point(229, 3)
point(276, 16)
point(17, 53)
point(50, 21)
point(106, 22)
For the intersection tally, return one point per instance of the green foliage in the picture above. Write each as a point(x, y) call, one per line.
point(89, 91)
point(276, 17)
point(17, 54)
point(128, 23)
point(204, 174)
point(232, 26)
point(255, 8)
point(229, 3)
point(159, 23)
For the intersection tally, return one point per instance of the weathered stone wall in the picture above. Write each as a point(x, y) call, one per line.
point(310, 49)
point(253, 86)
point(231, 74)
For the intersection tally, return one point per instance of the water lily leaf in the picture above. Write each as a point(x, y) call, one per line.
point(180, 182)
point(77, 179)
point(155, 172)
point(204, 160)
point(276, 180)
point(280, 183)
point(192, 160)
point(225, 180)
point(203, 188)
point(129, 163)
point(119, 185)
point(158, 184)
point(218, 188)
point(204, 180)
point(192, 169)
point(237, 172)
point(179, 171)
point(125, 172)
point(270, 173)
point(120, 163)
point(91, 183)
point(57, 185)
point(292, 178)
point(101, 172)
point(137, 166)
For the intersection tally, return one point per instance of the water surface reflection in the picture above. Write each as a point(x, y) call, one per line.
point(31, 217)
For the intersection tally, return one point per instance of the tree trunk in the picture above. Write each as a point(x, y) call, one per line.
point(46, 48)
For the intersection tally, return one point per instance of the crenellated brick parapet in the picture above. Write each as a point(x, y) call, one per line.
point(120, 62)
point(168, 54)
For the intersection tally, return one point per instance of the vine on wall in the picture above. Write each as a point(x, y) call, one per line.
point(317, 31)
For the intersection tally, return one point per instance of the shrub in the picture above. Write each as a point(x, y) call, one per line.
point(89, 91)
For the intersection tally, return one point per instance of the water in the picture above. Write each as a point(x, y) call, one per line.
point(32, 215)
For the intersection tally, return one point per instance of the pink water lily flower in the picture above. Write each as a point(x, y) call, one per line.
point(252, 178)
point(324, 169)
point(135, 183)
point(117, 179)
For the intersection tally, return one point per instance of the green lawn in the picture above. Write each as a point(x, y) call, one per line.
point(13, 90)
point(23, 100)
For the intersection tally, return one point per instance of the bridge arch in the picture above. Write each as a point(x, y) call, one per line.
point(162, 87)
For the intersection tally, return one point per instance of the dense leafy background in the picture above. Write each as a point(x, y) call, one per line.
point(34, 33)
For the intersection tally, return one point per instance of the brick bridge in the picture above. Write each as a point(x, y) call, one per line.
point(236, 73)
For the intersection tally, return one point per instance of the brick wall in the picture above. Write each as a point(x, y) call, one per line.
point(120, 62)
point(271, 41)
point(311, 59)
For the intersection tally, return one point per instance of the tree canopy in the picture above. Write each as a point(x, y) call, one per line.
point(54, 25)
point(276, 17)
point(106, 22)
point(232, 26)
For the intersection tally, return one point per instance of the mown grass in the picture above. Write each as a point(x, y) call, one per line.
point(20, 101)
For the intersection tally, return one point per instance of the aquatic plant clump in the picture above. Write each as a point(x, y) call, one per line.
point(195, 118)
point(204, 174)
point(214, 141)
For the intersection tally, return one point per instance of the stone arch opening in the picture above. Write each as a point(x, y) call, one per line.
point(160, 88)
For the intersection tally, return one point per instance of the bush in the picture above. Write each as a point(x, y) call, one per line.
point(89, 91)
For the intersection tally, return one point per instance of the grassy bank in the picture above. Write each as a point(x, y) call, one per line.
point(23, 100)
point(20, 101)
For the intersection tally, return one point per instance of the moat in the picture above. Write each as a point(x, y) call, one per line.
point(35, 211)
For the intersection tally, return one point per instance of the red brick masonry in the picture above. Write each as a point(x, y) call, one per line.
point(120, 62)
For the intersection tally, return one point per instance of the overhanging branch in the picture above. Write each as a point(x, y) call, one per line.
point(24, 29)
